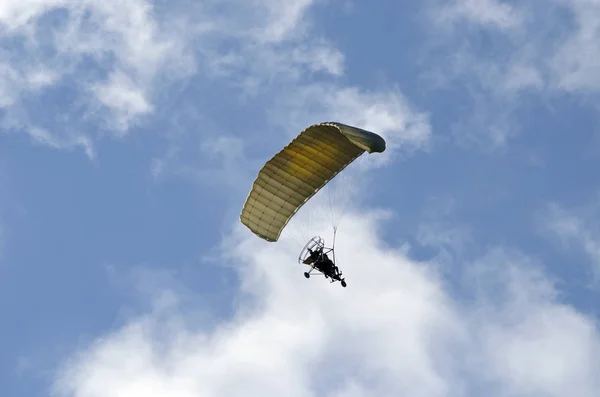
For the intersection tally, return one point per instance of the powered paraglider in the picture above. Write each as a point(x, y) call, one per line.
point(295, 174)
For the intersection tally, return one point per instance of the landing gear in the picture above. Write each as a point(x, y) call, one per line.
point(307, 274)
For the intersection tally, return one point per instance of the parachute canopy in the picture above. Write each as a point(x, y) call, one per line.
point(299, 171)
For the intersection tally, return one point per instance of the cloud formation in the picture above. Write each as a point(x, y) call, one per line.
point(505, 53)
point(577, 229)
point(396, 329)
point(96, 62)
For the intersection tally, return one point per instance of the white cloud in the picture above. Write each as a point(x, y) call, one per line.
point(506, 53)
point(485, 128)
point(388, 113)
point(577, 228)
point(106, 58)
point(541, 45)
point(480, 46)
point(264, 22)
point(295, 77)
point(16, 16)
point(439, 230)
point(120, 60)
point(395, 330)
point(576, 62)
point(294, 337)
point(226, 162)
point(537, 356)
point(492, 13)
point(123, 98)
point(284, 17)
point(69, 138)
point(531, 343)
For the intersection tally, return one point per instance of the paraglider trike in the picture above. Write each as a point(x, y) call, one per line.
point(314, 254)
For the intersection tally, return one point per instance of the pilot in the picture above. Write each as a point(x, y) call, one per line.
point(322, 262)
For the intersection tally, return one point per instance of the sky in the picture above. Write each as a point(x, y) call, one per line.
point(131, 133)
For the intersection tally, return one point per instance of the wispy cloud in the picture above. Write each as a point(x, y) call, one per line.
point(505, 53)
point(281, 69)
point(440, 229)
point(531, 342)
point(575, 63)
point(96, 61)
point(488, 13)
point(577, 228)
point(388, 113)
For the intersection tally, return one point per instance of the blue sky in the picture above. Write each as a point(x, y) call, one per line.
point(132, 132)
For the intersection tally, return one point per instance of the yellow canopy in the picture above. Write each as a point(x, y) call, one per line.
point(299, 171)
